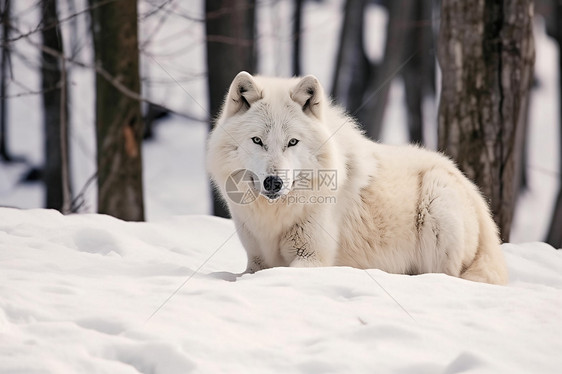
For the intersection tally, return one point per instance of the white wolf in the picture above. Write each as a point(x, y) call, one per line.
point(326, 195)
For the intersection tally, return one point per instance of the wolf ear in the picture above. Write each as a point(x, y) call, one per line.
point(242, 94)
point(309, 95)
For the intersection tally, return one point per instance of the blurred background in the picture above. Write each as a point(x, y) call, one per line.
point(70, 67)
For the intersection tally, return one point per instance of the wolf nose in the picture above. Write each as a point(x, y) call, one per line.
point(273, 184)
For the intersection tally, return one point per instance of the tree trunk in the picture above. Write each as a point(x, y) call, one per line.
point(352, 70)
point(297, 30)
point(554, 236)
point(53, 83)
point(417, 72)
point(376, 97)
point(119, 127)
point(230, 30)
point(486, 53)
point(4, 63)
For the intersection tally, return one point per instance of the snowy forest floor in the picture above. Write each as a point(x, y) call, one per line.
point(92, 294)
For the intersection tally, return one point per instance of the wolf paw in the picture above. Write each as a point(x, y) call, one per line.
point(256, 263)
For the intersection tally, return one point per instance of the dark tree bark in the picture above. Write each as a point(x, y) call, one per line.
point(230, 30)
point(119, 126)
point(400, 14)
point(363, 86)
point(297, 29)
point(53, 83)
point(4, 64)
point(153, 113)
point(486, 53)
point(352, 71)
point(554, 236)
point(418, 73)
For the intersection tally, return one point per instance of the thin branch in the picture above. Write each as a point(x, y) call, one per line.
point(155, 10)
point(229, 40)
point(79, 201)
point(111, 80)
point(186, 16)
point(59, 22)
point(29, 92)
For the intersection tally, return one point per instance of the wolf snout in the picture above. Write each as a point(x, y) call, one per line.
point(272, 184)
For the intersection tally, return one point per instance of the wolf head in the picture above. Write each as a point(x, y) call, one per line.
point(274, 128)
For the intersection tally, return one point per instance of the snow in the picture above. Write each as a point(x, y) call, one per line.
point(92, 294)
point(176, 186)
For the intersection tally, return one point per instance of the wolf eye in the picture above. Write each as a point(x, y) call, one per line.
point(292, 142)
point(257, 141)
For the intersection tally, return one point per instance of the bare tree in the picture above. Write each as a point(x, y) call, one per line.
point(359, 84)
point(418, 73)
point(297, 30)
point(53, 82)
point(230, 29)
point(353, 68)
point(554, 236)
point(486, 54)
point(400, 14)
point(4, 64)
point(119, 126)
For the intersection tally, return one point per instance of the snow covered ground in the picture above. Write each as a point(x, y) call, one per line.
point(92, 294)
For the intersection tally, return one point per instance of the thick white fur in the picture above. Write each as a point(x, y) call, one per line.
point(401, 209)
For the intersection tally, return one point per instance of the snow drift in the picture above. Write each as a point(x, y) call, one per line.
point(92, 294)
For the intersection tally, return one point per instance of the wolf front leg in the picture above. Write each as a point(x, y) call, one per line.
point(255, 259)
point(309, 243)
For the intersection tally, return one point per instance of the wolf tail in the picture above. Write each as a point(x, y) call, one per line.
point(488, 264)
